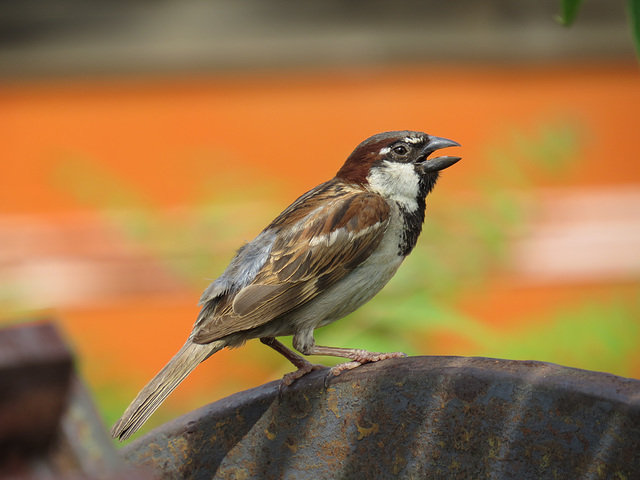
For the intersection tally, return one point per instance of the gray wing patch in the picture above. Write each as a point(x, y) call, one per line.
point(241, 271)
point(243, 268)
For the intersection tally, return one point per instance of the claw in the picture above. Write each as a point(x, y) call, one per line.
point(328, 376)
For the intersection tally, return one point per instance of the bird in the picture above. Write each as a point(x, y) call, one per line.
point(323, 257)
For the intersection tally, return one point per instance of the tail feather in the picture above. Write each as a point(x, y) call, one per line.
point(157, 390)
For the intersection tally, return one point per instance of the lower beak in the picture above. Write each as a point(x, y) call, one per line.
point(437, 163)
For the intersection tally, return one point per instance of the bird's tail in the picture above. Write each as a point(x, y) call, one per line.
point(155, 392)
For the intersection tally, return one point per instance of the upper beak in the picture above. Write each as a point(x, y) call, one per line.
point(437, 163)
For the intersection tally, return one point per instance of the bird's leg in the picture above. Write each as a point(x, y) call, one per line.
point(306, 344)
point(302, 364)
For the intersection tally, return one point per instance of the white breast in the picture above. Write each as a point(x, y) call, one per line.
point(359, 286)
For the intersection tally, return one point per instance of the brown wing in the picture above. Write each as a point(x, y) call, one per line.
point(315, 247)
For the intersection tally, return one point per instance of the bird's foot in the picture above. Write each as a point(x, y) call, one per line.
point(303, 369)
point(362, 357)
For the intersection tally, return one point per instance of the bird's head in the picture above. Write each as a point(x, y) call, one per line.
point(397, 164)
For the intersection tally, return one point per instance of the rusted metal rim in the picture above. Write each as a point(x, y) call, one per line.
point(419, 417)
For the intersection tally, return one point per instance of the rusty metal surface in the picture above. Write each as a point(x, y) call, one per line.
point(420, 417)
point(82, 445)
point(35, 371)
point(49, 427)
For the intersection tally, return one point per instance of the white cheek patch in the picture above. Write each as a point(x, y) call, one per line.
point(397, 181)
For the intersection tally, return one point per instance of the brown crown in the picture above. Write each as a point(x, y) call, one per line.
point(357, 166)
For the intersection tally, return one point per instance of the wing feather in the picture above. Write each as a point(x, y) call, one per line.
point(315, 247)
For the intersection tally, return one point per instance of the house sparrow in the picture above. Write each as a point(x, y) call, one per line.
point(326, 255)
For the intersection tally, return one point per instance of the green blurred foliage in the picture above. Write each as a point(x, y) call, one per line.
point(569, 13)
point(571, 8)
point(633, 10)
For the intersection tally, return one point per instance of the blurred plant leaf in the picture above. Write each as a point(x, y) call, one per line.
point(594, 336)
point(99, 188)
point(558, 145)
point(552, 147)
point(195, 243)
point(96, 186)
point(570, 9)
point(633, 10)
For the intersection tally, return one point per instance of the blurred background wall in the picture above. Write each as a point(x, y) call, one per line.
point(142, 142)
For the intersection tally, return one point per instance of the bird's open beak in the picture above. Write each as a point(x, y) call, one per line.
point(437, 163)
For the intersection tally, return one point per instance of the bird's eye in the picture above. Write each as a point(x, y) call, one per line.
point(400, 150)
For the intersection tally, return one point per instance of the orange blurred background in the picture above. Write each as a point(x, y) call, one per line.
point(125, 195)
